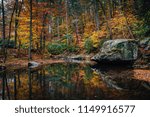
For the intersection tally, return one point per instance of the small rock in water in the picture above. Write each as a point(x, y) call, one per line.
point(33, 64)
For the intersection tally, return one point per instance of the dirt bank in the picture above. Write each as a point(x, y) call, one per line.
point(16, 63)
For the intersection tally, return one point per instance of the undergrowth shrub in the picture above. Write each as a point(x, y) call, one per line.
point(88, 45)
point(60, 48)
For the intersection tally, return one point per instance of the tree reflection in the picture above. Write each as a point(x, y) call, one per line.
point(71, 81)
point(3, 85)
point(15, 86)
point(4, 88)
point(30, 83)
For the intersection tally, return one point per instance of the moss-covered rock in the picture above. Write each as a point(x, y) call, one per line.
point(117, 50)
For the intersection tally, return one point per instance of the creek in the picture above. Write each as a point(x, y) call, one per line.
point(74, 81)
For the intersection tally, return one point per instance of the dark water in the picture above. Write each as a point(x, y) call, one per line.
point(73, 81)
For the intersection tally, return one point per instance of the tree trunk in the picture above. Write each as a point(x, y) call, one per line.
point(96, 14)
point(67, 21)
point(10, 23)
point(41, 41)
point(77, 30)
point(44, 41)
point(58, 30)
point(3, 31)
point(16, 23)
point(107, 24)
point(110, 8)
point(36, 14)
point(43, 33)
point(30, 39)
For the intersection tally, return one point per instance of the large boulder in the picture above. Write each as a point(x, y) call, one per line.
point(119, 50)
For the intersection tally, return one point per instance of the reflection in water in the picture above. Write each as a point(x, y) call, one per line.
point(73, 81)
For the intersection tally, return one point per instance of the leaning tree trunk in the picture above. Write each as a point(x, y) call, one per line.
point(121, 9)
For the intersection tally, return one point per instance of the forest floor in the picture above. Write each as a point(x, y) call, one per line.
point(24, 63)
point(14, 63)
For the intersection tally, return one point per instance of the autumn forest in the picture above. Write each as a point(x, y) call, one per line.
point(69, 26)
point(73, 37)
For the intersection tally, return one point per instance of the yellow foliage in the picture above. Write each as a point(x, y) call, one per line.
point(95, 39)
point(24, 27)
point(118, 25)
point(62, 27)
point(96, 36)
point(89, 28)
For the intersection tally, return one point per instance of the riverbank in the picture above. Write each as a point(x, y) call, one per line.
point(15, 63)
point(19, 63)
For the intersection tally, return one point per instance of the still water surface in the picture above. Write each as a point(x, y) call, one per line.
point(72, 81)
